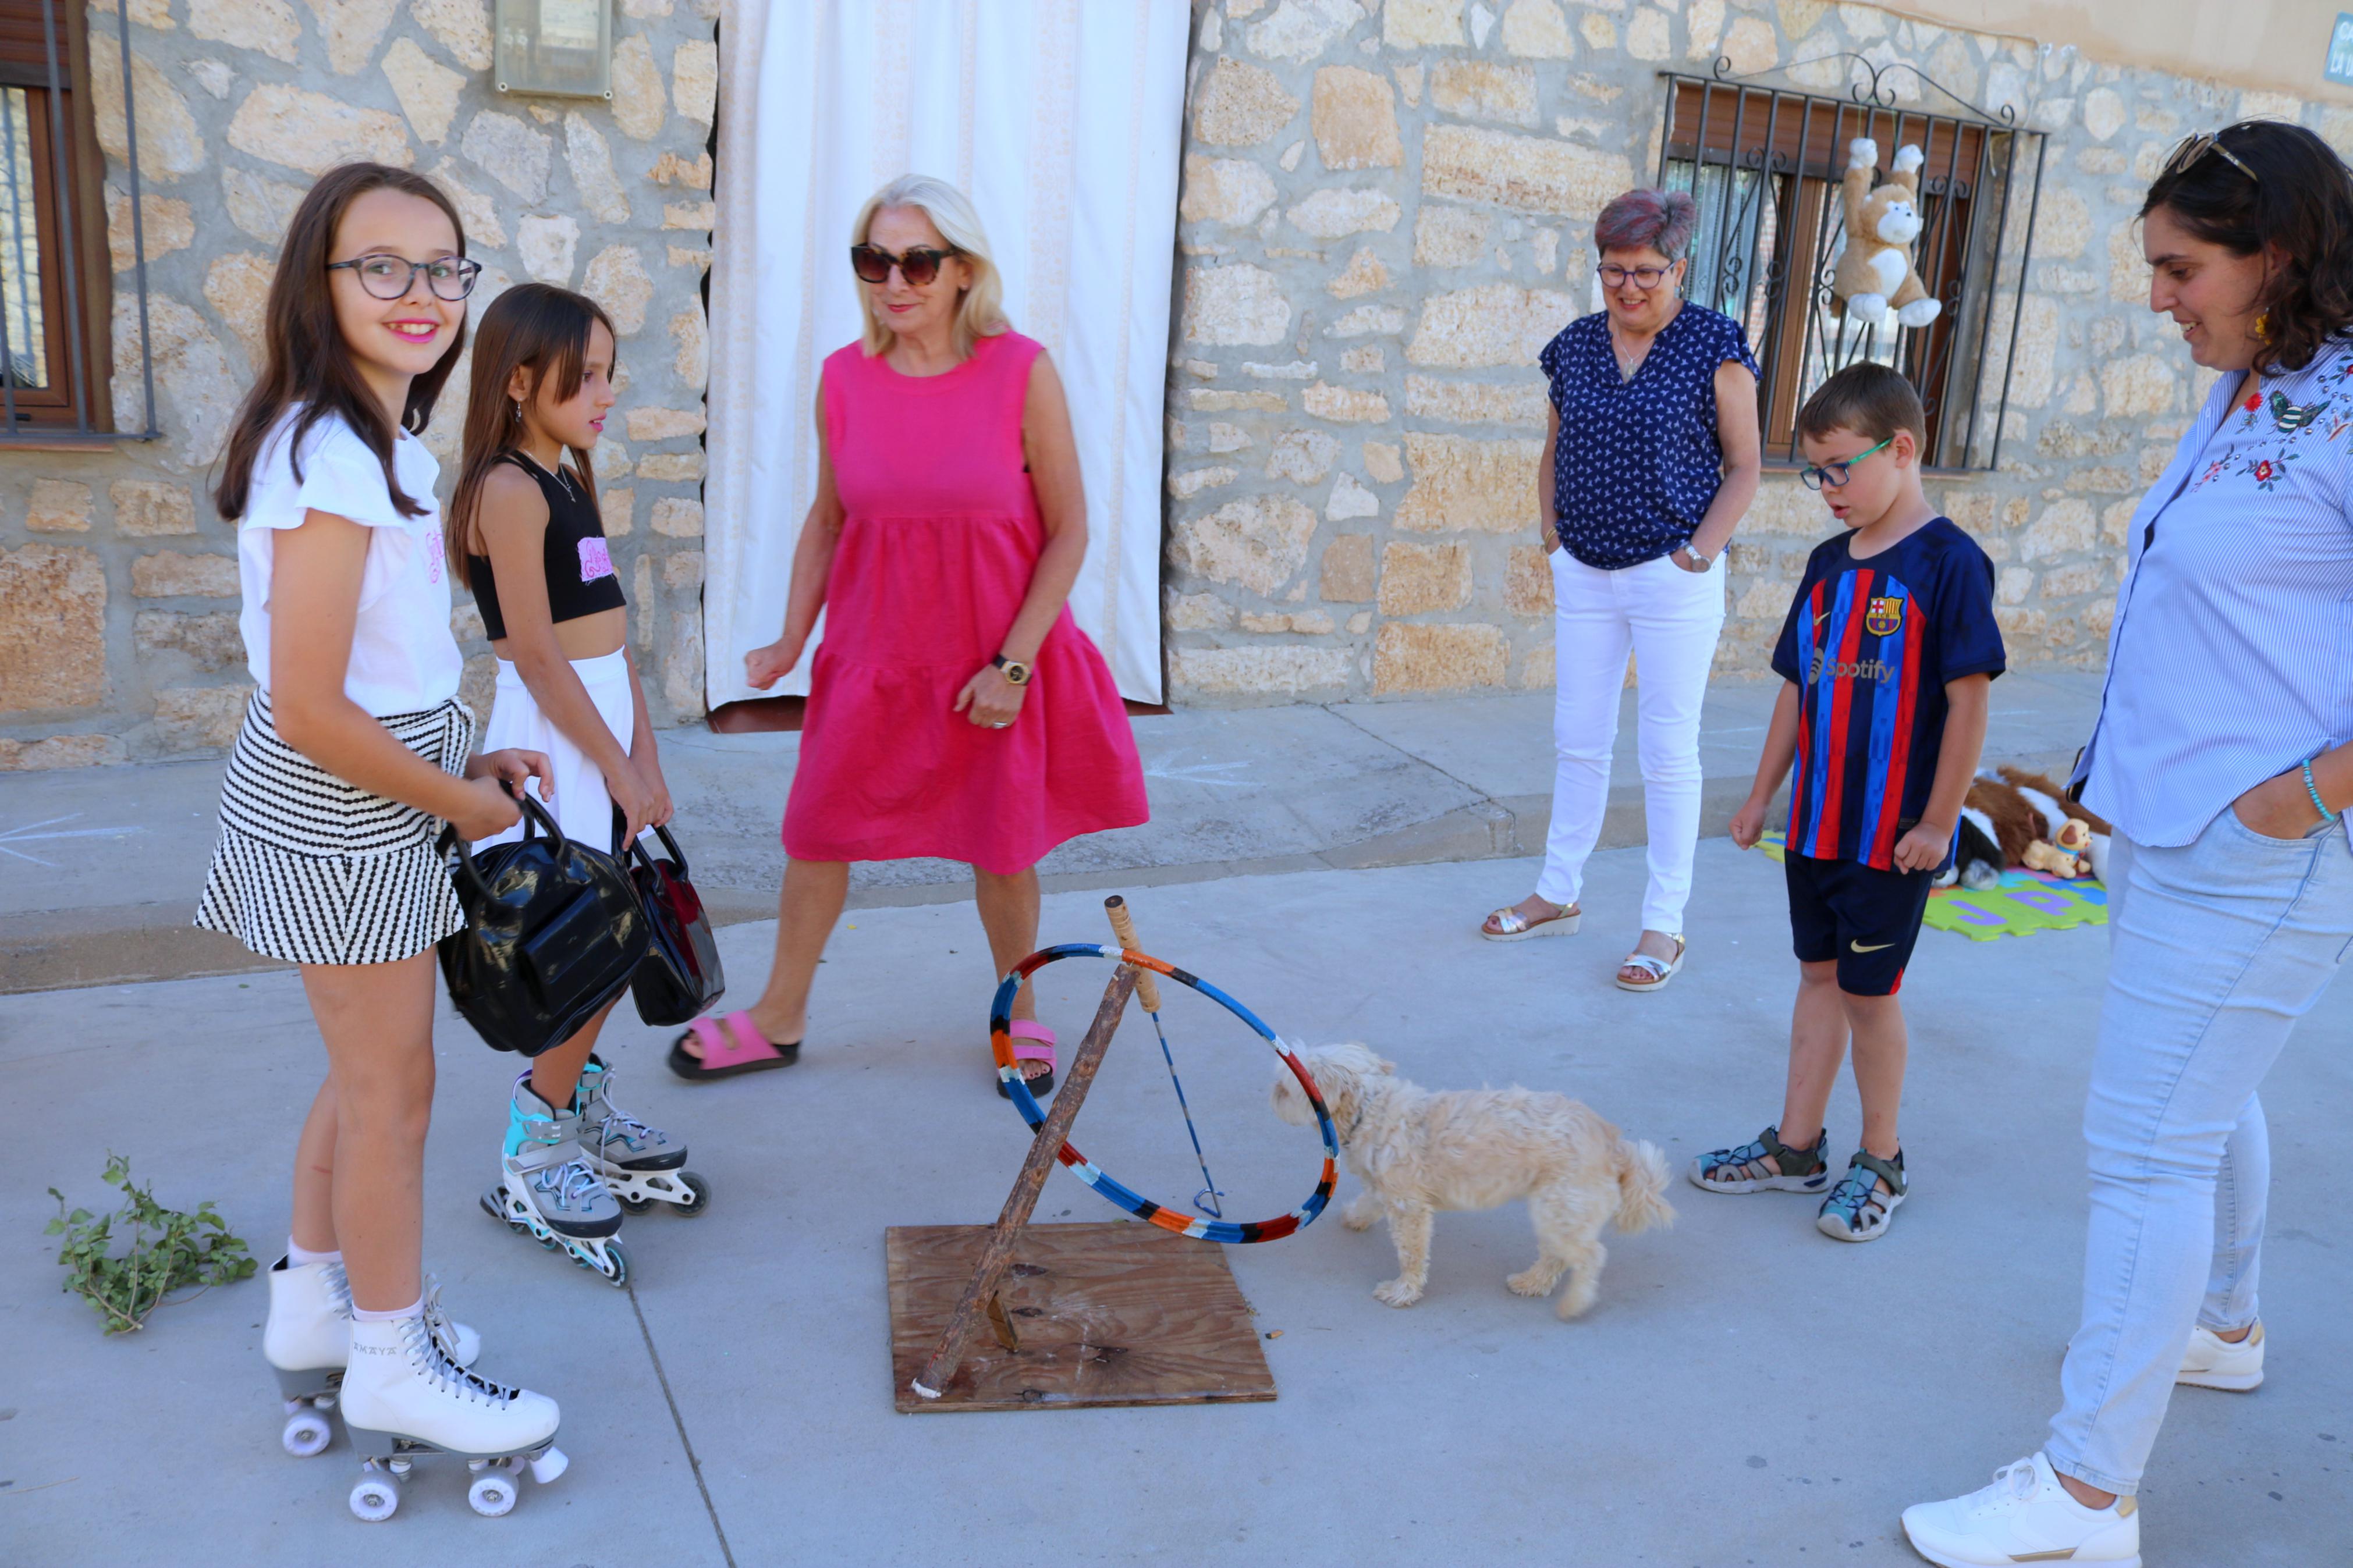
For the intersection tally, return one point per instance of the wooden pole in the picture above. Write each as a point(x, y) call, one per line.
point(1122, 926)
point(998, 1255)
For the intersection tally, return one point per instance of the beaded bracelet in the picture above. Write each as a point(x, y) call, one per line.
point(2314, 791)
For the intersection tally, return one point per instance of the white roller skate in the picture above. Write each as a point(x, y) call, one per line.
point(403, 1398)
point(307, 1341)
point(641, 1166)
point(552, 1192)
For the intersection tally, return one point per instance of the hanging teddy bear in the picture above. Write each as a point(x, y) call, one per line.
point(1875, 282)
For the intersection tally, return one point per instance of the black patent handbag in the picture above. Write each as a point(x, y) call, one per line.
point(554, 930)
point(680, 978)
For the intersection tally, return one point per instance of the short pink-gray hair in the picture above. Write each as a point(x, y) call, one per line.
point(1662, 220)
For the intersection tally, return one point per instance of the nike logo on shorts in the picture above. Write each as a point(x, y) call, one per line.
point(1875, 947)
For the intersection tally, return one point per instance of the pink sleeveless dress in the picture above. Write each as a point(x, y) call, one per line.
point(941, 535)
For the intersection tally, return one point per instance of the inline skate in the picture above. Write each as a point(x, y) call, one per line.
point(404, 1398)
point(551, 1191)
point(641, 1166)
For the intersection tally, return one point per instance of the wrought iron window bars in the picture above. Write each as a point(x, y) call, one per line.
point(1763, 161)
point(45, 265)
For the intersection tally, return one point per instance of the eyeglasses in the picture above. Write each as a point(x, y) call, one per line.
point(391, 277)
point(1834, 474)
point(918, 267)
point(1615, 276)
point(2191, 148)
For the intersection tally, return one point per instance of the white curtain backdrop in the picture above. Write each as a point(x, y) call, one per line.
point(1062, 119)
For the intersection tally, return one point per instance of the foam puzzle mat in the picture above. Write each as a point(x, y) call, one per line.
point(2025, 903)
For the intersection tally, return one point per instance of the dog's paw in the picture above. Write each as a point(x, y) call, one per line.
point(1355, 1219)
point(1397, 1293)
point(1532, 1282)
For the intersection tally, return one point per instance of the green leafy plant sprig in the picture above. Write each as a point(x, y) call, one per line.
point(168, 1251)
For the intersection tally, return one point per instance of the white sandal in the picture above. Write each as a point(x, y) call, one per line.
point(1512, 926)
point(1664, 969)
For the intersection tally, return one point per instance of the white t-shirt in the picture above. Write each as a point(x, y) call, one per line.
point(404, 657)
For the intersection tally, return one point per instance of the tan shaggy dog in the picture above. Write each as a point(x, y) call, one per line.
point(1418, 1151)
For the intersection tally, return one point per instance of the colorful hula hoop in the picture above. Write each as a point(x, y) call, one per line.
point(1009, 1071)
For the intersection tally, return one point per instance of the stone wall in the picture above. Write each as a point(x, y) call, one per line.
point(1388, 209)
point(117, 583)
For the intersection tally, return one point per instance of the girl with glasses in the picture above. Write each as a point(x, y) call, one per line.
point(354, 753)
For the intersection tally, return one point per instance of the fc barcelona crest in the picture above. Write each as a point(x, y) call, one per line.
point(1884, 617)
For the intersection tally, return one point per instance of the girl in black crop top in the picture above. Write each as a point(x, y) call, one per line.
point(525, 529)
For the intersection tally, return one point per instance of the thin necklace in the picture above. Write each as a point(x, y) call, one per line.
point(556, 473)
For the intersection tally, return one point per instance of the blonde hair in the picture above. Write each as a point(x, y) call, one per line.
point(981, 312)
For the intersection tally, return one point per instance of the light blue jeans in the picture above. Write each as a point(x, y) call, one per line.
point(2216, 949)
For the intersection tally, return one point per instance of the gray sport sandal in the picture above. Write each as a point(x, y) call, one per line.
point(1742, 1169)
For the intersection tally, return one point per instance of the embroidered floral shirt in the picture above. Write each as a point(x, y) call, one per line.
point(1638, 461)
point(2231, 658)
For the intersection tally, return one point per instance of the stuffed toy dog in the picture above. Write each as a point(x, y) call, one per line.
point(1875, 282)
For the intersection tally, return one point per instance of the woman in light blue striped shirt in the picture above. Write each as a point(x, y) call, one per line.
point(2222, 754)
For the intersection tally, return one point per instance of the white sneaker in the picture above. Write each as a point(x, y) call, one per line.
point(310, 1324)
point(2026, 1516)
point(401, 1389)
point(2212, 1361)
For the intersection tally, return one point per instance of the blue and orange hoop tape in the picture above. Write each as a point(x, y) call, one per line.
point(1001, 1042)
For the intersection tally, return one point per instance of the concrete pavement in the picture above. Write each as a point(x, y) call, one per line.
point(100, 867)
point(1744, 1392)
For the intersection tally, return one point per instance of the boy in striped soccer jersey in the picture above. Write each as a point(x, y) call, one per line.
point(1886, 657)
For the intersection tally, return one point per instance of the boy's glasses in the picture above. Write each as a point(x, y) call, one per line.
point(918, 267)
point(2191, 148)
point(1616, 275)
point(391, 277)
point(1834, 474)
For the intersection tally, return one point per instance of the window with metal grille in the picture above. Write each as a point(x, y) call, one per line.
point(1765, 164)
point(57, 279)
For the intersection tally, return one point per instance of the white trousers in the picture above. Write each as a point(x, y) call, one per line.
point(582, 807)
point(1669, 619)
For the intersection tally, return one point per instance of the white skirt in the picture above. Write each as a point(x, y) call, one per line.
point(312, 870)
point(583, 808)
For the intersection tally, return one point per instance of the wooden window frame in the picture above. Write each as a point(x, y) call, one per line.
point(45, 50)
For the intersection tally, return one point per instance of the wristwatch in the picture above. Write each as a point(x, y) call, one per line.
point(1015, 670)
point(1699, 558)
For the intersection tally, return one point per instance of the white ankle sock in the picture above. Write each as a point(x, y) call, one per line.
point(299, 1255)
point(413, 1310)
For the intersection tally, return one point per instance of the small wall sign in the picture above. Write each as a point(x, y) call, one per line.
point(2340, 50)
point(558, 49)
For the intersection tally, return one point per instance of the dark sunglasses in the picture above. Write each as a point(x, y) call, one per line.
point(391, 277)
point(918, 267)
point(2191, 148)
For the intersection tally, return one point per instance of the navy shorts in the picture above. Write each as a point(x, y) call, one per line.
point(1864, 919)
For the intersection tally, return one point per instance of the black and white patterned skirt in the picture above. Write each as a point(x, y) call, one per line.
point(315, 870)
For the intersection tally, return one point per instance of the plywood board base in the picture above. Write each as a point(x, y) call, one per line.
point(1121, 1313)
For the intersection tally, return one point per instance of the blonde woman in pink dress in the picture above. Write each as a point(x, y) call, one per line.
point(955, 710)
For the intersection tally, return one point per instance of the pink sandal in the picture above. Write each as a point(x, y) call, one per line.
point(1032, 1042)
point(738, 1048)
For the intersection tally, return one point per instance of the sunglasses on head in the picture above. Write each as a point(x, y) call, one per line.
point(2191, 148)
point(918, 267)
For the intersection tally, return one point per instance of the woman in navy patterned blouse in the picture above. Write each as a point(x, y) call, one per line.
point(1652, 459)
